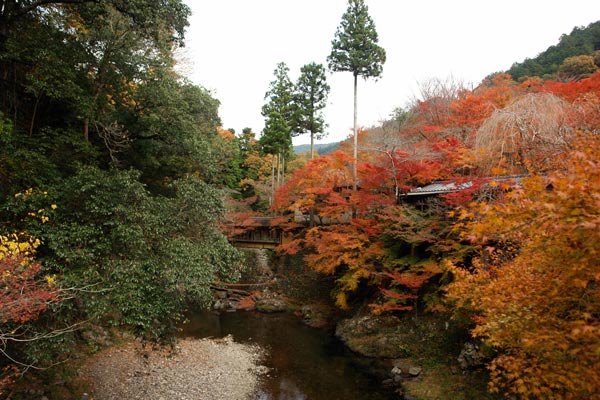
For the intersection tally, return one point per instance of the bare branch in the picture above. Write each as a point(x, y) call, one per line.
point(115, 137)
point(530, 132)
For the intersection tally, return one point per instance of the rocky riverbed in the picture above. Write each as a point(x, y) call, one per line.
point(209, 369)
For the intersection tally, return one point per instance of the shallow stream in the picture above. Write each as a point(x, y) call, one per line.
point(306, 363)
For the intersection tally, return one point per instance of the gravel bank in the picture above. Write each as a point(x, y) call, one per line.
point(200, 369)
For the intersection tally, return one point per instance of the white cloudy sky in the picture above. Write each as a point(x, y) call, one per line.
point(233, 46)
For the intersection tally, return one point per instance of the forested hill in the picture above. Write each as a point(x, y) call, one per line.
point(322, 149)
point(110, 168)
point(582, 41)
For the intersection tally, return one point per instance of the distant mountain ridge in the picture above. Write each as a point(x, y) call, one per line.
point(321, 148)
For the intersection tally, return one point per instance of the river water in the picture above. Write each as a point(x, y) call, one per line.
point(306, 363)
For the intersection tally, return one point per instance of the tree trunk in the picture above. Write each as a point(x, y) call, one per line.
point(312, 145)
point(272, 178)
point(354, 165)
point(86, 129)
point(278, 169)
point(34, 116)
point(283, 170)
point(390, 155)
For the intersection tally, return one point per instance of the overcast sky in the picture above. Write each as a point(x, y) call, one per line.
point(233, 47)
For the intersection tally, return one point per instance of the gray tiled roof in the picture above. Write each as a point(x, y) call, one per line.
point(439, 187)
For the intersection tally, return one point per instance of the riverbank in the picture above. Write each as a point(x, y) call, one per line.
point(209, 369)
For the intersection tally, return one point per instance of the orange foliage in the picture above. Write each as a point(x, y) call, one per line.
point(437, 141)
point(472, 108)
point(225, 134)
point(408, 282)
point(535, 289)
point(571, 91)
point(352, 250)
point(316, 189)
point(342, 239)
point(237, 223)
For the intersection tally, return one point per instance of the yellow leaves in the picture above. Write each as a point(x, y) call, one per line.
point(51, 279)
point(24, 193)
point(464, 214)
point(18, 244)
point(43, 218)
point(29, 197)
point(341, 300)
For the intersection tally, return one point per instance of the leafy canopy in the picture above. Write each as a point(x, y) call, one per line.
point(310, 97)
point(355, 48)
point(534, 291)
point(280, 95)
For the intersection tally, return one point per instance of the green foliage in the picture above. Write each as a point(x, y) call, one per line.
point(581, 41)
point(247, 141)
point(79, 66)
point(228, 162)
point(137, 258)
point(173, 132)
point(280, 96)
point(322, 149)
point(41, 160)
point(355, 48)
point(276, 136)
point(112, 158)
point(310, 97)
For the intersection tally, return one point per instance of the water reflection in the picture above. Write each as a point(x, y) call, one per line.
point(307, 364)
point(286, 390)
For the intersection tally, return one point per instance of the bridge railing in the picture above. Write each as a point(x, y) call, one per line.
point(259, 235)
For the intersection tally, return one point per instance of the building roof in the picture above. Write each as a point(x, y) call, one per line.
point(442, 187)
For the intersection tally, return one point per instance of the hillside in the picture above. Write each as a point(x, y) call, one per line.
point(322, 148)
point(581, 41)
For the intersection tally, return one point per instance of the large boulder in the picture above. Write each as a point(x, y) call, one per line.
point(471, 357)
point(373, 336)
point(317, 315)
point(272, 305)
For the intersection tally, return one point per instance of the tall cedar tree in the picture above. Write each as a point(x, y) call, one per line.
point(280, 96)
point(310, 98)
point(279, 112)
point(275, 140)
point(355, 49)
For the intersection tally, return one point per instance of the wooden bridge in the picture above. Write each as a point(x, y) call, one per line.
point(257, 233)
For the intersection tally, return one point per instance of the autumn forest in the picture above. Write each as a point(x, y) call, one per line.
point(119, 190)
